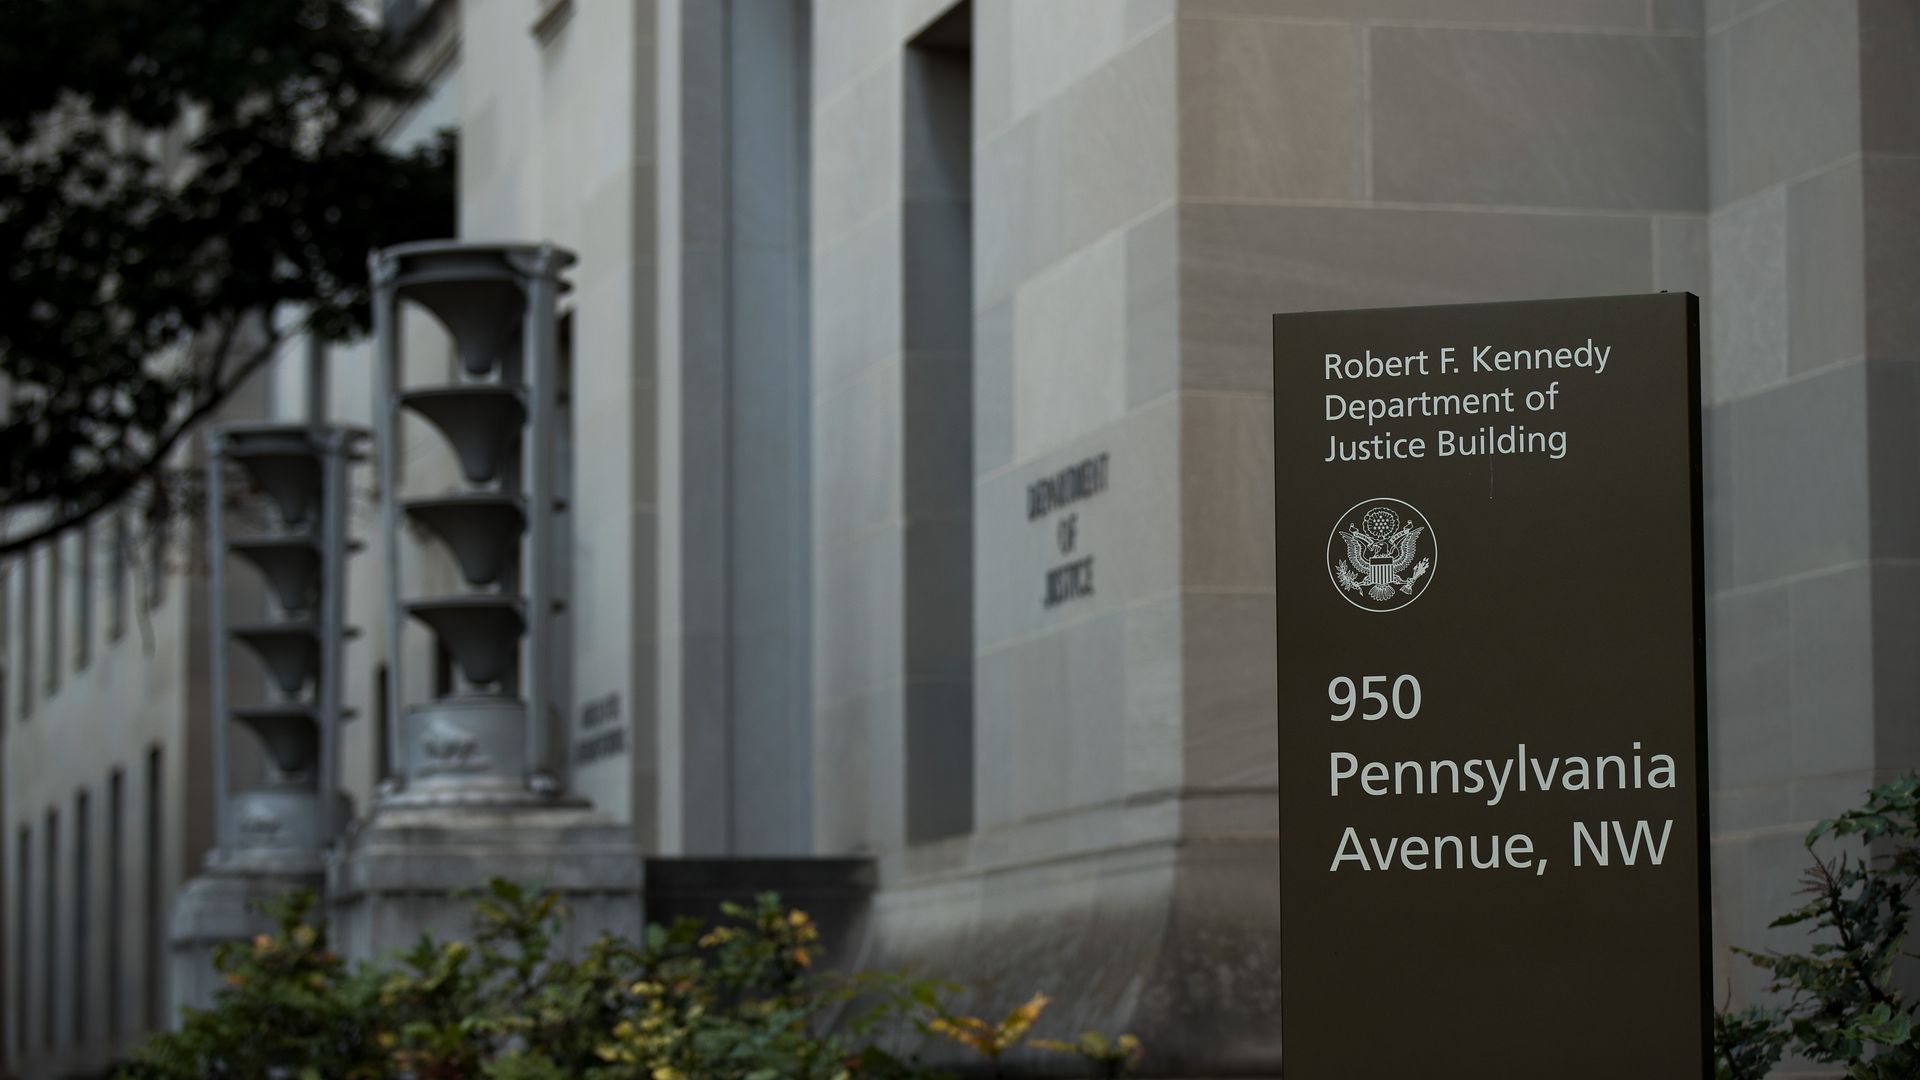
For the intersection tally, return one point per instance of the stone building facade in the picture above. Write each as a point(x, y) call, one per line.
point(921, 450)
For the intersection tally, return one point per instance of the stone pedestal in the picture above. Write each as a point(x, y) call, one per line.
point(402, 872)
point(1172, 938)
point(219, 906)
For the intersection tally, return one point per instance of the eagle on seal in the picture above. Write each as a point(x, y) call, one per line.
point(1378, 558)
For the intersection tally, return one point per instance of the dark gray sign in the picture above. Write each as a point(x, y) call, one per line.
point(1492, 691)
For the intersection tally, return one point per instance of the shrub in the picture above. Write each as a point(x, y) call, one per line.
point(741, 1000)
point(1843, 1005)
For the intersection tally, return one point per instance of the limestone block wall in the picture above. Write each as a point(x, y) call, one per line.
point(862, 687)
point(1362, 154)
point(1379, 153)
point(1072, 167)
point(1814, 252)
point(105, 742)
point(1150, 182)
point(1116, 841)
point(123, 715)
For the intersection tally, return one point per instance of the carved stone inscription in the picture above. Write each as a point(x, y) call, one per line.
point(603, 733)
point(1085, 479)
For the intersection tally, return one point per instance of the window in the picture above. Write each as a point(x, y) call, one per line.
point(83, 601)
point(56, 593)
point(23, 941)
point(27, 633)
point(116, 898)
point(937, 425)
point(156, 564)
point(49, 933)
point(383, 729)
point(82, 914)
point(155, 944)
point(117, 598)
point(6, 637)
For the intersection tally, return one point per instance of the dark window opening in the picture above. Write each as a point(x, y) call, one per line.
point(83, 601)
point(23, 940)
point(50, 933)
point(116, 899)
point(154, 946)
point(383, 724)
point(117, 593)
point(82, 916)
point(937, 426)
point(56, 595)
point(28, 632)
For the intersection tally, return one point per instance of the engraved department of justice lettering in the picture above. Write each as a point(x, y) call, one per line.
point(1381, 555)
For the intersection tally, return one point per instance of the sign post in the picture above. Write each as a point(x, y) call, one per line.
point(1492, 691)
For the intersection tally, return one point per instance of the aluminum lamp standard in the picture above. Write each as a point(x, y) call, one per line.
point(301, 469)
point(485, 740)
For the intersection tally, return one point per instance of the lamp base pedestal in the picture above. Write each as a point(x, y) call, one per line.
point(403, 872)
point(218, 906)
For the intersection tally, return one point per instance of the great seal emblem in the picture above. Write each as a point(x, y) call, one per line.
point(1381, 554)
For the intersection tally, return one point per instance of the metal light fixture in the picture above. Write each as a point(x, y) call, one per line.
point(302, 470)
point(485, 740)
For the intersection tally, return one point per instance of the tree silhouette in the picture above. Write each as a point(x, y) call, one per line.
point(182, 186)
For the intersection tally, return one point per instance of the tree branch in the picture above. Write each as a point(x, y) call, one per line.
point(1850, 945)
point(111, 491)
point(218, 362)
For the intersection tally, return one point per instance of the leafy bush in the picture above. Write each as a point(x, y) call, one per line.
point(1747, 1043)
point(742, 1000)
point(1843, 1005)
